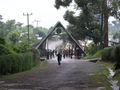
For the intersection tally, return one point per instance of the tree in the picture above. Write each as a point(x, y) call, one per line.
point(38, 31)
point(2, 28)
point(3, 32)
point(1, 17)
point(91, 9)
point(13, 37)
point(105, 23)
point(18, 25)
point(109, 8)
point(82, 26)
point(10, 25)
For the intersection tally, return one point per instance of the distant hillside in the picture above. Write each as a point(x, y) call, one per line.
point(114, 27)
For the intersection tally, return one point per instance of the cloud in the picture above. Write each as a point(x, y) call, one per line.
point(43, 10)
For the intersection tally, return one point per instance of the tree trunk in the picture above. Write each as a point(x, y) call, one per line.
point(105, 24)
point(101, 31)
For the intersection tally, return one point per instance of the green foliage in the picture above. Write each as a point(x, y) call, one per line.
point(10, 25)
point(14, 33)
point(108, 54)
point(19, 24)
point(4, 50)
point(111, 54)
point(97, 36)
point(3, 32)
point(90, 20)
point(87, 23)
point(63, 3)
point(117, 65)
point(117, 77)
point(39, 32)
point(92, 49)
point(13, 37)
point(16, 49)
point(23, 46)
point(98, 54)
point(102, 76)
point(14, 63)
point(2, 41)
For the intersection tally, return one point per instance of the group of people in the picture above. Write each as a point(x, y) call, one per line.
point(68, 53)
point(65, 53)
point(50, 54)
point(60, 53)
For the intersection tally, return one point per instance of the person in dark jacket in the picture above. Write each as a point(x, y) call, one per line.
point(64, 54)
point(47, 55)
point(71, 54)
point(59, 58)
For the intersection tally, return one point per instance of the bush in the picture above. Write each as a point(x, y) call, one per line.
point(2, 41)
point(14, 63)
point(5, 50)
point(92, 49)
point(17, 50)
point(117, 53)
point(111, 54)
point(106, 55)
point(33, 50)
point(23, 46)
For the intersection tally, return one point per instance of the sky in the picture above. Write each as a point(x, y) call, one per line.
point(42, 10)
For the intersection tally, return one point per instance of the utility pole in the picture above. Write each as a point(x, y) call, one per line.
point(27, 23)
point(37, 21)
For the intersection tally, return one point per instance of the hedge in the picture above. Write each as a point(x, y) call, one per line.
point(111, 54)
point(14, 63)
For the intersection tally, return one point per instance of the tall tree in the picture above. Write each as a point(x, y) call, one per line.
point(83, 25)
point(10, 25)
point(105, 24)
point(19, 24)
point(92, 9)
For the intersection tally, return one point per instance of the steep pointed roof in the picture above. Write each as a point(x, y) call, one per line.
point(58, 24)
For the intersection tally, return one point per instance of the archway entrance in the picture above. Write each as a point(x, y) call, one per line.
point(41, 45)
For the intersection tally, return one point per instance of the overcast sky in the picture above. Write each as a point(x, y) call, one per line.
point(43, 10)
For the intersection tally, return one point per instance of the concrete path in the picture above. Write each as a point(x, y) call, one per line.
point(72, 74)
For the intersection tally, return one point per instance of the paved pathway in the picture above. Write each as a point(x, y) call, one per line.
point(73, 74)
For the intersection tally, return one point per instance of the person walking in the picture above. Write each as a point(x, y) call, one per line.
point(64, 54)
point(47, 54)
point(71, 54)
point(59, 58)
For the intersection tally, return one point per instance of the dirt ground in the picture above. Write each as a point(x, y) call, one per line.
point(72, 74)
